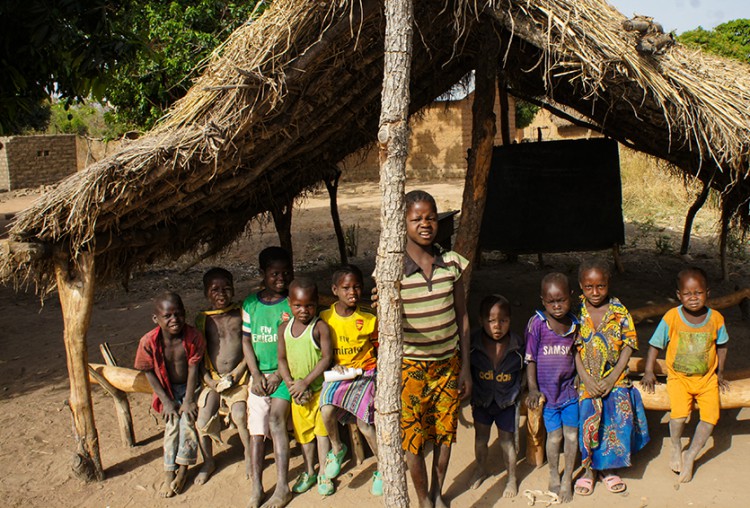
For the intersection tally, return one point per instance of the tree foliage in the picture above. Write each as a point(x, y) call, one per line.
point(178, 35)
point(525, 113)
point(61, 47)
point(730, 39)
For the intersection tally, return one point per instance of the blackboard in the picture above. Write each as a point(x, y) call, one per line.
point(554, 196)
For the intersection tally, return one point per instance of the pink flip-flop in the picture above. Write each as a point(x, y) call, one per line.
point(584, 486)
point(614, 483)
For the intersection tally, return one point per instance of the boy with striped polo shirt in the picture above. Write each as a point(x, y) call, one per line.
point(436, 372)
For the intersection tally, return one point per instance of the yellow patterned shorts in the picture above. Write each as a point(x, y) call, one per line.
point(429, 402)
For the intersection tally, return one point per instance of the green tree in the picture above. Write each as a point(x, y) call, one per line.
point(730, 39)
point(178, 35)
point(65, 48)
point(525, 113)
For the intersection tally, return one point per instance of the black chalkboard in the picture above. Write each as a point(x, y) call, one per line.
point(554, 196)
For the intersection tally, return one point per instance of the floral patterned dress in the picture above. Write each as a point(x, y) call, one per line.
point(614, 427)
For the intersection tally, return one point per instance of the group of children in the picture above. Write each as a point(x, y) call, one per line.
point(265, 359)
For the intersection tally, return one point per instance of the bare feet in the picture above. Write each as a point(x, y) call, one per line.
point(511, 488)
point(480, 475)
point(566, 489)
point(166, 488)
point(255, 497)
point(688, 461)
point(205, 473)
point(554, 482)
point(675, 460)
point(278, 500)
point(179, 480)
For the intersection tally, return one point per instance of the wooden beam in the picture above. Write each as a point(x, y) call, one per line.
point(737, 396)
point(122, 378)
point(483, 130)
point(27, 251)
point(690, 216)
point(75, 286)
point(721, 302)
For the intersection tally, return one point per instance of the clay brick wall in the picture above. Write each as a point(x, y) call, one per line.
point(30, 161)
point(439, 139)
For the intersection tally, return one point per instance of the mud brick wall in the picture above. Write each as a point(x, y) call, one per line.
point(31, 161)
point(440, 135)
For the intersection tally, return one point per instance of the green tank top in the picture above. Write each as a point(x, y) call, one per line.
point(302, 354)
point(261, 321)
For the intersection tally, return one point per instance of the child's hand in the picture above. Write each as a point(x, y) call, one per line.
point(190, 409)
point(464, 384)
point(259, 386)
point(606, 385)
point(170, 411)
point(648, 381)
point(723, 384)
point(533, 399)
point(297, 388)
point(304, 398)
point(374, 298)
point(273, 382)
point(339, 368)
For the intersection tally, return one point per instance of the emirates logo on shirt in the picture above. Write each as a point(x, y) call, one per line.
point(360, 323)
point(285, 317)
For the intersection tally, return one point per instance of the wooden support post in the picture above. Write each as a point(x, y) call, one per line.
point(393, 148)
point(282, 219)
point(333, 186)
point(502, 91)
point(122, 404)
point(726, 216)
point(690, 217)
point(617, 259)
point(358, 448)
point(483, 130)
point(122, 408)
point(75, 286)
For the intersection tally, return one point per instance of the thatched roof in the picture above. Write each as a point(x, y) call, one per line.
point(292, 93)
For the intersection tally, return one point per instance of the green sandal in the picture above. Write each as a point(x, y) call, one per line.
point(325, 486)
point(334, 461)
point(377, 484)
point(304, 483)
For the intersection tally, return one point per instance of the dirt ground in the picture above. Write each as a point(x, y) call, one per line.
point(36, 440)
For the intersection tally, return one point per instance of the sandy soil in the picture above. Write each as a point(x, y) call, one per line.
point(36, 440)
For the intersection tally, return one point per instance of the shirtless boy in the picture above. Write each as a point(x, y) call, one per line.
point(225, 374)
point(170, 355)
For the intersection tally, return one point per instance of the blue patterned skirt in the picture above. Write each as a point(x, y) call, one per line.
point(612, 429)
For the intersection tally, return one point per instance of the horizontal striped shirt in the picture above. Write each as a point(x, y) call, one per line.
point(430, 328)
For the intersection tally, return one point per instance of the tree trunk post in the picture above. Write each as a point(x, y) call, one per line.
point(393, 148)
point(75, 286)
point(502, 91)
point(333, 187)
point(690, 217)
point(122, 403)
point(282, 220)
point(483, 132)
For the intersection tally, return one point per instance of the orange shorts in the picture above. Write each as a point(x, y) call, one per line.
point(684, 390)
point(429, 403)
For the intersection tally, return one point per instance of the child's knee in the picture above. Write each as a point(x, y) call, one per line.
point(239, 414)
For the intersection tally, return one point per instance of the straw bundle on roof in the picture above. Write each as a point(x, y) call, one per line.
point(292, 93)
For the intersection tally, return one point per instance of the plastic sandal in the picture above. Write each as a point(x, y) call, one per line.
point(304, 483)
point(614, 483)
point(377, 484)
point(325, 486)
point(584, 486)
point(334, 461)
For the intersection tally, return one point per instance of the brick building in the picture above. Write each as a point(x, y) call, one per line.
point(439, 137)
point(30, 161)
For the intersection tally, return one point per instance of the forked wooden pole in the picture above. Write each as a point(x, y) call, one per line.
point(75, 286)
point(393, 148)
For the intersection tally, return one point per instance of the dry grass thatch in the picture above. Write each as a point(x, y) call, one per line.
point(290, 94)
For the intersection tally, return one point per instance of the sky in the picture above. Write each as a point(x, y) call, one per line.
point(683, 15)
